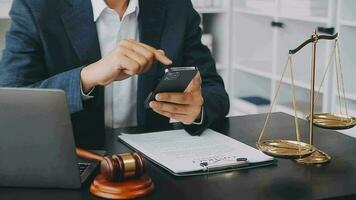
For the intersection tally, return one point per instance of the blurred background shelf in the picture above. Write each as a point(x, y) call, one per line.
point(346, 10)
point(299, 84)
point(250, 105)
point(212, 10)
point(288, 110)
point(346, 26)
point(255, 7)
point(264, 31)
point(251, 70)
point(305, 18)
point(351, 96)
point(252, 12)
point(348, 23)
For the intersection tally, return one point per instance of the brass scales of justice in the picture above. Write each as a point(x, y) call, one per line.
point(307, 153)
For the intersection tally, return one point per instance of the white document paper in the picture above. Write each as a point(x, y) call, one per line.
point(181, 153)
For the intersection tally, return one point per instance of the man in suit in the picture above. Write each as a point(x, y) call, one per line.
point(107, 56)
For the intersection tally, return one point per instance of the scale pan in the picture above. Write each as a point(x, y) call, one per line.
point(285, 148)
point(333, 121)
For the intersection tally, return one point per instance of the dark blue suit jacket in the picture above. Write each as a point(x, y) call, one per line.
point(51, 40)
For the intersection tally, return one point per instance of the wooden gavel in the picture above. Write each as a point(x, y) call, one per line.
point(116, 168)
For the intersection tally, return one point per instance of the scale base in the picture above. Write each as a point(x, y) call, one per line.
point(288, 149)
point(318, 157)
point(129, 189)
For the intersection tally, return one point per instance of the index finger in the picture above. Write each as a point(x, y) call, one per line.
point(159, 54)
point(162, 57)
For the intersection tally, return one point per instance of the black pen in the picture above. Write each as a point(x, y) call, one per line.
point(241, 162)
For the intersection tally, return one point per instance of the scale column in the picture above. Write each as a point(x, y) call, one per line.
point(318, 157)
point(312, 88)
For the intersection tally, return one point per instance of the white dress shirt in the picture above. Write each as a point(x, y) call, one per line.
point(120, 96)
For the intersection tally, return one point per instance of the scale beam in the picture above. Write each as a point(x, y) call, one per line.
point(313, 39)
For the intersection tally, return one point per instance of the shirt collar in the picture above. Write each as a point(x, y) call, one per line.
point(99, 6)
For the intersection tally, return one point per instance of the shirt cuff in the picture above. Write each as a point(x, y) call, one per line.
point(201, 118)
point(86, 96)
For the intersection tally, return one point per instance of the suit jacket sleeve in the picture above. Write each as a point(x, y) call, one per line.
point(216, 100)
point(23, 62)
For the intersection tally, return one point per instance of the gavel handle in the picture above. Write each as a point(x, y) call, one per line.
point(82, 153)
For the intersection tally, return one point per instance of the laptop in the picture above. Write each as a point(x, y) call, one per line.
point(37, 146)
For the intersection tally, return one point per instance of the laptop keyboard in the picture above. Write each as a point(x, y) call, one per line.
point(83, 167)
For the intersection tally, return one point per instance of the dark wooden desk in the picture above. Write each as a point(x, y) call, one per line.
point(287, 180)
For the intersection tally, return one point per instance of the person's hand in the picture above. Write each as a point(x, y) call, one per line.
point(184, 107)
point(127, 59)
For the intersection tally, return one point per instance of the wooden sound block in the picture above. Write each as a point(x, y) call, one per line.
point(128, 189)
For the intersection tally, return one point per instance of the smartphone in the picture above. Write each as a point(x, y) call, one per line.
point(175, 79)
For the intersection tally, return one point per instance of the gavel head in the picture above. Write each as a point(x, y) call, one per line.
point(123, 166)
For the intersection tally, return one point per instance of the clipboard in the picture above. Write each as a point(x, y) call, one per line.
point(200, 165)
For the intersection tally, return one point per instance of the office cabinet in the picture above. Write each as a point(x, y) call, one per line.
point(263, 32)
point(346, 26)
point(216, 20)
